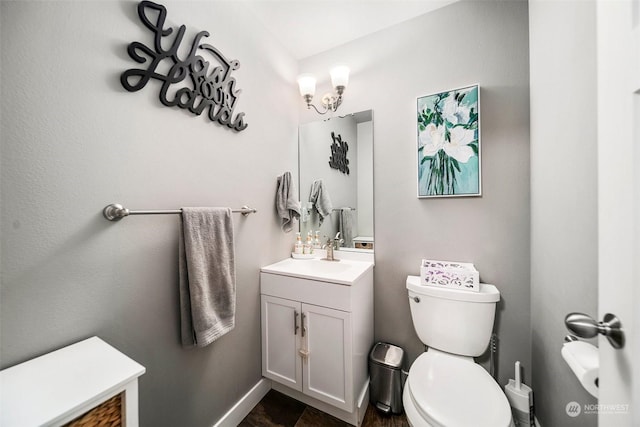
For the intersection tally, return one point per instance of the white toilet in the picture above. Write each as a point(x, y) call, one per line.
point(445, 386)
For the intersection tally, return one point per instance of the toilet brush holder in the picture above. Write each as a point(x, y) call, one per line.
point(520, 397)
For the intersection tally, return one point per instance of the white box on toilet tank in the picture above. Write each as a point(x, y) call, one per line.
point(450, 274)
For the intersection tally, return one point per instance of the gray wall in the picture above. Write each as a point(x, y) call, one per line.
point(464, 43)
point(563, 197)
point(73, 141)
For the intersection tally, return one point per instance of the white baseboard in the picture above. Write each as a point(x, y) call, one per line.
point(241, 409)
point(363, 402)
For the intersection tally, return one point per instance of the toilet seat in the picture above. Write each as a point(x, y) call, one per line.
point(453, 391)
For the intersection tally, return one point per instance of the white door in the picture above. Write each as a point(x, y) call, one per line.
point(328, 365)
point(618, 98)
point(280, 341)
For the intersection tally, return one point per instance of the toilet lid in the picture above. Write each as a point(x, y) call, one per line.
point(450, 390)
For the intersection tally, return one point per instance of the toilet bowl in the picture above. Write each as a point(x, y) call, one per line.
point(446, 388)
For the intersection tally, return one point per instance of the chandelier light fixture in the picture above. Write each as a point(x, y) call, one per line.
point(330, 101)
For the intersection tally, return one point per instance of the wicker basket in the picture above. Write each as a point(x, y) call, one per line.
point(107, 414)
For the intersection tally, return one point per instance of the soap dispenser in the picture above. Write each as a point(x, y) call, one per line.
point(297, 248)
point(308, 246)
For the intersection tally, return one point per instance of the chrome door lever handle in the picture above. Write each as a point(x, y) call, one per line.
point(585, 327)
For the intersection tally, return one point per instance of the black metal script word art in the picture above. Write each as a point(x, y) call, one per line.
point(338, 159)
point(189, 83)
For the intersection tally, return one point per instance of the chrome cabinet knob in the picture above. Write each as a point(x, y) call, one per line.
point(416, 299)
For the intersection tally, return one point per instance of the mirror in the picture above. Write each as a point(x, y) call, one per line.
point(335, 159)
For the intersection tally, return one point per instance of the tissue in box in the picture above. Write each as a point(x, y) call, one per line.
point(446, 274)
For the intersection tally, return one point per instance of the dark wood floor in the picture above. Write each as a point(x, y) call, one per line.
point(278, 410)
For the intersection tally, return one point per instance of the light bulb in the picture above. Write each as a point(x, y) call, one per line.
point(307, 85)
point(340, 76)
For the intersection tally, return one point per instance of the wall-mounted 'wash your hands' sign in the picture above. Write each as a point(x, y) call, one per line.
point(192, 82)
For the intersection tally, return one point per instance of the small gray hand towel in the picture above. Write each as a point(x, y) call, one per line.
point(319, 196)
point(207, 275)
point(346, 227)
point(287, 202)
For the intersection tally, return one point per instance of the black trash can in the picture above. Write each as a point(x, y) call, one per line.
point(385, 378)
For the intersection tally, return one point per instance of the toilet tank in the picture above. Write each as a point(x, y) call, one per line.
point(451, 320)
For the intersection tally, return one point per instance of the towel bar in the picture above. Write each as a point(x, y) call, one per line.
point(115, 211)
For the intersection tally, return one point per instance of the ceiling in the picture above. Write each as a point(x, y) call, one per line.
point(308, 27)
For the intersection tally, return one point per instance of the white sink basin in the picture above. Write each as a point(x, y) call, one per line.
point(344, 272)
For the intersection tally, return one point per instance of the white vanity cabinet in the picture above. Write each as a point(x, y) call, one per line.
point(307, 348)
point(316, 336)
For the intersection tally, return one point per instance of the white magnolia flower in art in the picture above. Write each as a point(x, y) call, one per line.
point(432, 139)
point(458, 147)
point(454, 113)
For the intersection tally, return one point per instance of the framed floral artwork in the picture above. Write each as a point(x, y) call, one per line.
point(449, 143)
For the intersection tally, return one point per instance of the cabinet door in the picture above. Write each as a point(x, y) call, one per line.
point(327, 368)
point(280, 342)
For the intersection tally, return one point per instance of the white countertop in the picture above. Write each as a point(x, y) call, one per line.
point(49, 388)
point(344, 272)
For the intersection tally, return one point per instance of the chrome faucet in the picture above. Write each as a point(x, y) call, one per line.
point(331, 245)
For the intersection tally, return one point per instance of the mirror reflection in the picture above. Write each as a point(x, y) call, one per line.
point(336, 180)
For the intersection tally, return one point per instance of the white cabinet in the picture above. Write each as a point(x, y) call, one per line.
point(327, 368)
point(315, 341)
point(306, 347)
point(58, 387)
point(281, 341)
